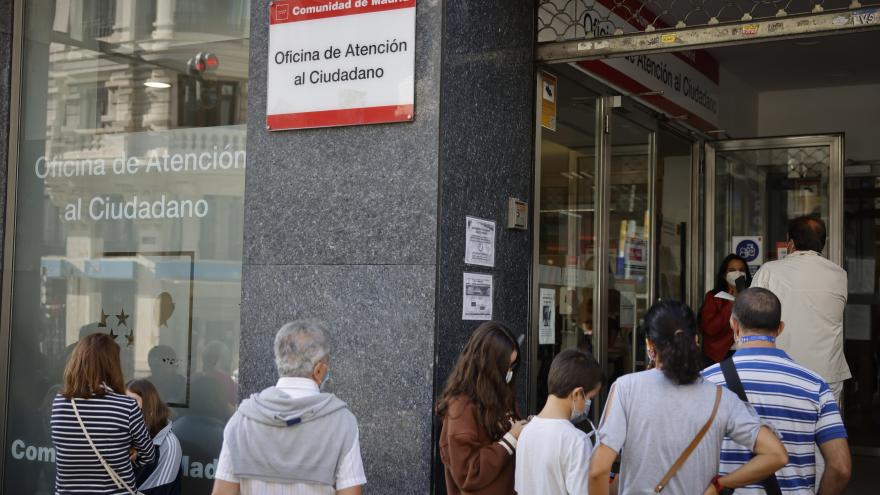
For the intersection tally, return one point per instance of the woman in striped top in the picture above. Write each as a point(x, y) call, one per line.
point(114, 422)
point(164, 477)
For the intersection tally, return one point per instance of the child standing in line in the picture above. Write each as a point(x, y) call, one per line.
point(553, 456)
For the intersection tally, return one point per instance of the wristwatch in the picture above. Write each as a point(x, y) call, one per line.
point(722, 490)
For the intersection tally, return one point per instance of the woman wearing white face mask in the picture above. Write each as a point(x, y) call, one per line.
point(718, 342)
point(480, 422)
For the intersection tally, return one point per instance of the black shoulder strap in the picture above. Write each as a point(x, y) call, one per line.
point(731, 377)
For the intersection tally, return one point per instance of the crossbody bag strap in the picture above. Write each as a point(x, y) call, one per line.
point(731, 377)
point(693, 445)
point(113, 476)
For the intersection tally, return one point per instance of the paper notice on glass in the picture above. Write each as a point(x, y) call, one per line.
point(479, 246)
point(857, 322)
point(547, 324)
point(477, 297)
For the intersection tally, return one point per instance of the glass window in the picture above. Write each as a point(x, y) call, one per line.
point(758, 191)
point(129, 214)
point(566, 244)
point(629, 230)
point(674, 201)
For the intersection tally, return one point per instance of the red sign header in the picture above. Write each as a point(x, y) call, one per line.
point(304, 10)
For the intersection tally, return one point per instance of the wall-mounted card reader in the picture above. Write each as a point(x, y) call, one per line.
point(517, 214)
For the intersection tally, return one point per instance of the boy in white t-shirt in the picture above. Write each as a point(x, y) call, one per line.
point(552, 456)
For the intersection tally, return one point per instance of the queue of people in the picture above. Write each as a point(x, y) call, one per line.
point(116, 438)
point(760, 419)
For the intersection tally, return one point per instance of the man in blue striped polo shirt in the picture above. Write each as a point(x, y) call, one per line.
point(788, 396)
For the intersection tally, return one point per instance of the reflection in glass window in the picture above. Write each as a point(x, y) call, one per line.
point(129, 214)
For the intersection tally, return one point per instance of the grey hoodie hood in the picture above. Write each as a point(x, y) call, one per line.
point(274, 437)
point(273, 407)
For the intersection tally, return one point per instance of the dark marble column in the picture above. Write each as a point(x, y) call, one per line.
point(341, 224)
point(5, 99)
point(363, 227)
point(487, 134)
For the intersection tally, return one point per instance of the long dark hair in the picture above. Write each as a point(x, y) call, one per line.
point(94, 363)
point(156, 413)
point(479, 375)
point(721, 276)
point(672, 328)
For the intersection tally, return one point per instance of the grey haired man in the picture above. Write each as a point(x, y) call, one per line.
point(293, 438)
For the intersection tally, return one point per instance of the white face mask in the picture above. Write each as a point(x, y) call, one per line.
point(509, 376)
point(732, 276)
point(578, 416)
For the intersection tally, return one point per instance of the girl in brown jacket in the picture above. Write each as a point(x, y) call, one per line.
point(480, 423)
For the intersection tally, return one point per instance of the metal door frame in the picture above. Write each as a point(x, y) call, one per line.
point(605, 106)
point(835, 189)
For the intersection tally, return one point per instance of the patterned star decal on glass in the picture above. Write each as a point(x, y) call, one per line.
point(130, 337)
point(103, 322)
point(112, 335)
point(122, 318)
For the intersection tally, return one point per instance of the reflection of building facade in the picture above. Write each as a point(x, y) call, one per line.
point(141, 169)
point(105, 116)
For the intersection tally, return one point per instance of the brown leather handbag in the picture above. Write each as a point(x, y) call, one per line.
point(693, 445)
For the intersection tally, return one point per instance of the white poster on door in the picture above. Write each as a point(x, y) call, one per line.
point(547, 324)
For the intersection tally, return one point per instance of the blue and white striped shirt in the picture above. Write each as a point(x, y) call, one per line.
point(115, 423)
point(796, 402)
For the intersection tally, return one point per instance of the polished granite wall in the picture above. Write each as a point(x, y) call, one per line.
point(341, 224)
point(486, 156)
point(364, 226)
point(5, 82)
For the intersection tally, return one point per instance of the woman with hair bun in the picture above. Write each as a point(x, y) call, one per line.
point(657, 417)
point(480, 422)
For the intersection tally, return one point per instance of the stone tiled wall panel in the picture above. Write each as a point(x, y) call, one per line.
point(341, 224)
point(380, 319)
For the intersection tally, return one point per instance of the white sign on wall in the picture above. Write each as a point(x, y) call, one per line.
point(476, 303)
point(340, 62)
point(479, 242)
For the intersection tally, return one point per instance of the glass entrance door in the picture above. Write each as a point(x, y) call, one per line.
point(599, 194)
point(754, 187)
point(631, 168)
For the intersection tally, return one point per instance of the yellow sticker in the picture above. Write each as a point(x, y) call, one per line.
point(750, 29)
point(667, 38)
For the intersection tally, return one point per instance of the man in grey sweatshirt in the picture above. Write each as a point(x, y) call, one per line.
point(292, 438)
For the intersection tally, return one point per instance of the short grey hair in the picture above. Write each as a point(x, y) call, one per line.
point(299, 346)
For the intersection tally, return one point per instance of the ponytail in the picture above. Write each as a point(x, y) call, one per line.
point(671, 327)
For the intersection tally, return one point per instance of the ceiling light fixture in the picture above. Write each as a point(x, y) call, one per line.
point(157, 84)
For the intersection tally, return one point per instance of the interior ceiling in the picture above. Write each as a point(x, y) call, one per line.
point(836, 60)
